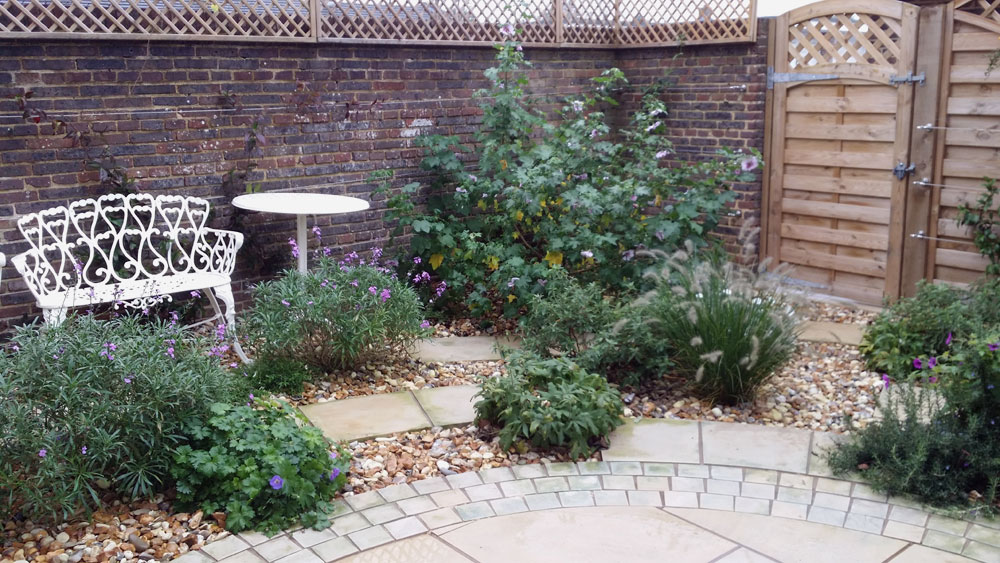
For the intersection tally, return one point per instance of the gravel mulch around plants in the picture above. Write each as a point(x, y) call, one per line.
point(392, 375)
point(822, 384)
point(823, 311)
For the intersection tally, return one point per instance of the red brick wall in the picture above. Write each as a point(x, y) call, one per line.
point(358, 112)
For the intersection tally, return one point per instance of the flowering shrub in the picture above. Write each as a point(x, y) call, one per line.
point(564, 195)
point(550, 402)
point(93, 405)
point(262, 464)
point(939, 436)
point(728, 326)
point(335, 316)
point(927, 323)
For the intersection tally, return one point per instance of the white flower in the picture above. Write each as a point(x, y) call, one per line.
point(577, 105)
point(662, 154)
point(507, 30)
point(586, 254)
point(652, 127)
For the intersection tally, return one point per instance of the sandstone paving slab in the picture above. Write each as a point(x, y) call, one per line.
point(655, 440)
point(920, 554)
point(424, 547)
point(448, 406)
point(793, 541)
point(599, 535)
point(744, 555)
point(785, 449)
point(365, 417)
point(461, 348)
point(822, 444)
point(825, 331)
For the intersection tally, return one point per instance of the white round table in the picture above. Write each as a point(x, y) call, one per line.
point(300, 205)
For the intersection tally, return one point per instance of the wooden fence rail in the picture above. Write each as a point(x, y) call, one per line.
point(562, 23)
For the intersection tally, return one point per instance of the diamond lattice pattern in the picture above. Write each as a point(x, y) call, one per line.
point(844, 38)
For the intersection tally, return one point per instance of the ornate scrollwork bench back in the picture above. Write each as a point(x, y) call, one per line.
point(131, 250)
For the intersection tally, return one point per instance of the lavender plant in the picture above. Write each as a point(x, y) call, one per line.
point(335, 316)
point(92, 405)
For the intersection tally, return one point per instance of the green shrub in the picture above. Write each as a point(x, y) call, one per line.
point(563, 194)
point(94, 404)
point(333, 317)
point(279, 373)
point(577, 321)
point(941, 443)
point(551, 402)
point(923, 324)
point(263, 464)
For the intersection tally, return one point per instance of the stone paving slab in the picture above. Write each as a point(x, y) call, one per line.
point(448, 406)
point(462, 348)
point(823, 331)
point(765, 447)
point(655, 439)
point(833, 521)
point(365, 417)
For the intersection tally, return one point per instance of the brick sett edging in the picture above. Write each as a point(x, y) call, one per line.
point(375, 518)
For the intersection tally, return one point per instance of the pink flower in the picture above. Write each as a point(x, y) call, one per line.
point(749, 163)
point(425, 324)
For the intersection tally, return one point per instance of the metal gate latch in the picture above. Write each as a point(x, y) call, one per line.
point(901, 170)
point(909, 78)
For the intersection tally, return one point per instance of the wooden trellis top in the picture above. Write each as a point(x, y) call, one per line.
point(570, 23)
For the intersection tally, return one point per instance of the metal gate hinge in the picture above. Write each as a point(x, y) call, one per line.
point(908, 79)
point(901, 170)
point(779, 77)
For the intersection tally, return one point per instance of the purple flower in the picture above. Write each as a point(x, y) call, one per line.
point(917, 364)
point(577, 105)
point(220, 331)
point(461, 190)
point(628, 255)
point(277, 482)
point(933, 379)
point(316, 231)
point(43, 452)
point(416, 260)
point(749, 163)
point(885, 380)
point(127, 379)
point(507, 30)
point(372, 289)
point(286, 303)
point(355, 283)
point(333, 455)
point(947, 341)
point(931, 362)
point(518, 48)
point(196, 294)
point(659, 235)
point(334, 473)
point(994, 347)
point(385, 294)
point(512, 281)
point(83, 450)
point(425, 324)
point(295, 247)
point(251, 396)
point(473, 178)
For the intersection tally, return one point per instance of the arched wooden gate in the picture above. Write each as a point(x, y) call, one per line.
point(867, 136)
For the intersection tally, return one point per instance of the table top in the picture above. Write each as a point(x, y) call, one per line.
point(299, 203)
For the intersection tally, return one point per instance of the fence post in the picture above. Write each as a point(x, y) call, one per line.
point(314, 9)
point(558, 7)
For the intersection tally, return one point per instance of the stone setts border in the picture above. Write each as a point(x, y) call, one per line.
point(375, 518)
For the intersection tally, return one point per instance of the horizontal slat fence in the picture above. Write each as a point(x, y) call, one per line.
point(569, 23)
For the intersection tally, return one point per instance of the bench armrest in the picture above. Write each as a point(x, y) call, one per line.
point(220, 246)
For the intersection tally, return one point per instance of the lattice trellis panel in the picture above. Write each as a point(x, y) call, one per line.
point(983, 8)
point(589, 22)
point(844, 38)
point(229, 19)
point(645, 22)
point(471, 21)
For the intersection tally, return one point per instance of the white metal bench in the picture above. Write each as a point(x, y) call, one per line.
point(130, 250)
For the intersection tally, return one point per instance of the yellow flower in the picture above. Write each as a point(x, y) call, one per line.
point(554, 258)
point(492, 262)
point(516, 234)
point(481, 205)
point(503, 164)
point(511, 297)
point(519, 215)
point(436, 260)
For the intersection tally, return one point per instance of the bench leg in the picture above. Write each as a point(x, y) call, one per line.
point(54, 317)
point(224, 293)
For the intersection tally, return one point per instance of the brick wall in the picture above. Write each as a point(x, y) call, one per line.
point(332, 115)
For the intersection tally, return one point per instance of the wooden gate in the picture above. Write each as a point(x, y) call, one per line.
point(840, 122)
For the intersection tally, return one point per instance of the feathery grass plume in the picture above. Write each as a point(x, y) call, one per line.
point(742, 312)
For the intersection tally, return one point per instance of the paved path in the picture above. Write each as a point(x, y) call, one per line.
point(732, 493)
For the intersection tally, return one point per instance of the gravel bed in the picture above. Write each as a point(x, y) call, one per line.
point(498, 326)
point(392, 375)
point(822, 384)
point(823, 311)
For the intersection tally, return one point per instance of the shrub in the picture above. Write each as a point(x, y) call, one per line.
point(261, 463)
point(579, 322)
point(94, 404)
point(558, 194)
point(333, 317)
point(940, 443)
point(280, 373)
point(729, 327)
point(549, 402)
point(923, 324)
